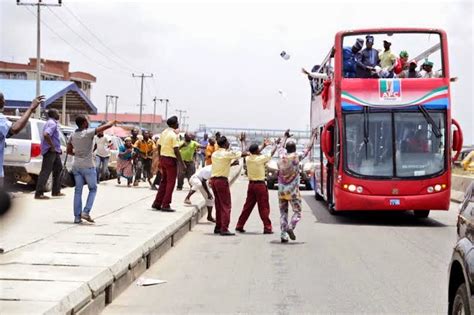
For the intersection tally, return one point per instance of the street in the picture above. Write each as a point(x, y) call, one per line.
point(352, 263)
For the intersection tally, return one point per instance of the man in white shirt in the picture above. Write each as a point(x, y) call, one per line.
point(102, 146)
point(199, 182)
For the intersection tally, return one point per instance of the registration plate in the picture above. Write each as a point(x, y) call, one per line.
point(394, 202)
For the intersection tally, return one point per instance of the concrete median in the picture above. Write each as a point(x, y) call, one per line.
point(62, 268)
point(459, 184)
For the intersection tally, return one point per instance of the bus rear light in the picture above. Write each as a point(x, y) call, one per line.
point(359, 189)
point(430, 189)
point(437, 187)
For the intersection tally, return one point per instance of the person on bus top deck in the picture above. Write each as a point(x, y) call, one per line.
point(410, 72)
point(349, 58)
point(387, 60)
point(367, 59)
point(402, 62)
point(427, 70)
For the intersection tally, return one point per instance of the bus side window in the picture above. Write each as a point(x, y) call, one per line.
point(337, 145)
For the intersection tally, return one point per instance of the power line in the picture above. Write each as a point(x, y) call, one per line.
point(69, 44)
point(95, 36)
point(83, 39)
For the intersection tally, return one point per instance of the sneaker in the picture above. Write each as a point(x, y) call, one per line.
point(77, 221)
point(291, 234)
point(87, 217)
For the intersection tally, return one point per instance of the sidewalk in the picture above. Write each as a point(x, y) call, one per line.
point(55, 267)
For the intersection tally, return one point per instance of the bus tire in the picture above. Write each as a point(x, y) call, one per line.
point(332, 210)
point(421, 213)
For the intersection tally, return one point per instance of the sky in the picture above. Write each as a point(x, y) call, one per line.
point(220, 60)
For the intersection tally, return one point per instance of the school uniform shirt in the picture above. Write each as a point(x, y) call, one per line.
point(5, 126)
point(256, 166)
point(204, 173)
point(168, 141)
point(221, 160)
point(146, 147)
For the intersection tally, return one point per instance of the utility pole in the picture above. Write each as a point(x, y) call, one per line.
point(112, 100)
point(38, 5)
point(142, 76)
point(185, 124)
point(154, 113)
point(181, 112)
point(115, 107)
point(166, 106)
point(107, 97)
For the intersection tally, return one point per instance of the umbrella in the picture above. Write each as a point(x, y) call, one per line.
point(117, 131)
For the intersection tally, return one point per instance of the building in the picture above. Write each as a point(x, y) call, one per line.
point(153, 124)
point(54, 70)
point(65, 96)
point(68, 92)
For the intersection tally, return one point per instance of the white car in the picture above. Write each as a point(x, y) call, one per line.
point(22, 160)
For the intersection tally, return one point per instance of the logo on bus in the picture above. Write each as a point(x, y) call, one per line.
point(390, 90)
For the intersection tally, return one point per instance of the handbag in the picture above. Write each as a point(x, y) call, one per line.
point(67, 177)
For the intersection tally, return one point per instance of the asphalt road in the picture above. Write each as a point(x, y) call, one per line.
point(354, 263)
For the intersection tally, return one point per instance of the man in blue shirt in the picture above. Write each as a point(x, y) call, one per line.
point(7, 129)
point(367, 59)
point(51, 151)
point(349, 58)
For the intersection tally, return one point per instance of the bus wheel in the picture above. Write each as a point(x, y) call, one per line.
point(421, 213)
point(331, 209)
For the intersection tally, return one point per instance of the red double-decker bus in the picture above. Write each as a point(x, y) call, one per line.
point(386, 136)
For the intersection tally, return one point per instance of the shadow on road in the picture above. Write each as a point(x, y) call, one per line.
point(381, 218)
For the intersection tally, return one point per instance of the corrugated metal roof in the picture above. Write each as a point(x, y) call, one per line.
point(19, 93)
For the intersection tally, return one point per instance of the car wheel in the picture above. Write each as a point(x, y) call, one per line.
point(270, 184)
point(461, 301)
point(421, 213)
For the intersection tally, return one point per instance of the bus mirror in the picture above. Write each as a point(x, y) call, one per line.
point(327, 141)
point(457, 139)
point(453, 79)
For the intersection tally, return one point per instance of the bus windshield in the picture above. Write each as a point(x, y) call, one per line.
point(392, 55)
point(391, 144)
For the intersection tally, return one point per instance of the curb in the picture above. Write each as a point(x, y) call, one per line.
point(94, 295)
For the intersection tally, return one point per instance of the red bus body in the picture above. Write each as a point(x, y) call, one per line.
point(332, 180)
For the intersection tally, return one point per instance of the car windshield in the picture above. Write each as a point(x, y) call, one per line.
point(394, 144)
point(391, 54)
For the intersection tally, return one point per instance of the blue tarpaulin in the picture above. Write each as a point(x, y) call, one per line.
point(20, 93)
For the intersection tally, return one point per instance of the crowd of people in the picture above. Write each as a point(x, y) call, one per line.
point(372, 63)
point(205, 164)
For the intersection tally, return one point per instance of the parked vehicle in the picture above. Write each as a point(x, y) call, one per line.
point(67, 131)
point(307, 169)
point(461, 269)
point(23, 157)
